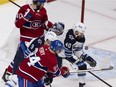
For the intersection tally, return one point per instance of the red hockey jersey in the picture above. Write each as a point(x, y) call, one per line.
point(35, 26)
point(47, 63)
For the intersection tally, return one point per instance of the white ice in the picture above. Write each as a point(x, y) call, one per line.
point(100, 19)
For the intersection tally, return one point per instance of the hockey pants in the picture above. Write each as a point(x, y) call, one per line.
point(26, 83)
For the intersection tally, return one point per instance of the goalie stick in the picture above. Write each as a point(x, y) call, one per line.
point(90, 69)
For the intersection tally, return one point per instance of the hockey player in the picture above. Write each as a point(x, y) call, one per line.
point(46, 39)
point(36, 67)
point(35, 43)
point(32, 20)
point(73, 44)
point(58, 29)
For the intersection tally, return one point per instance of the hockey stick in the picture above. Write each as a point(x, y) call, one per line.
point(20, 6)
point(110, 68)
point(100, 79)
point(15, 3)
point(104, 69)
point(50, 85)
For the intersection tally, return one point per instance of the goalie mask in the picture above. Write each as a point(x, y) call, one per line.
point(58, 28)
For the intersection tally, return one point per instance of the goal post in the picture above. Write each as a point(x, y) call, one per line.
point(82, 11)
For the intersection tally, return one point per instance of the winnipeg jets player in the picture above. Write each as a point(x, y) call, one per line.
point(73, 44)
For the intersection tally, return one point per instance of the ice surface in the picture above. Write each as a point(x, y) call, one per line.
point(100, 19)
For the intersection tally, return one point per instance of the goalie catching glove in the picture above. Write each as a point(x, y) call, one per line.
point(65, 71)
point(89, 60)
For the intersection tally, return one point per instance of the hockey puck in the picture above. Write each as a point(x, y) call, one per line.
point(86, 47)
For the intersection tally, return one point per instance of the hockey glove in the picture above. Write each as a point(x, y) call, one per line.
point(89, 60)
point(65, 71)
point(48, 80)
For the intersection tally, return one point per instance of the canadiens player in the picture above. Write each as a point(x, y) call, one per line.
point(32, 70)
point(34, 44)
point(73, 44)
point(58, 29)
point(11, 79)
point(32, 20)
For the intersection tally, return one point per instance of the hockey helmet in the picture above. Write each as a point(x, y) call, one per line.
point(58, 28)
point(80, 27)
point(56, 45)
point(51, 36)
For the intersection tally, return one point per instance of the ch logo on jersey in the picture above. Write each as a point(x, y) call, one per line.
point(36, 24)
